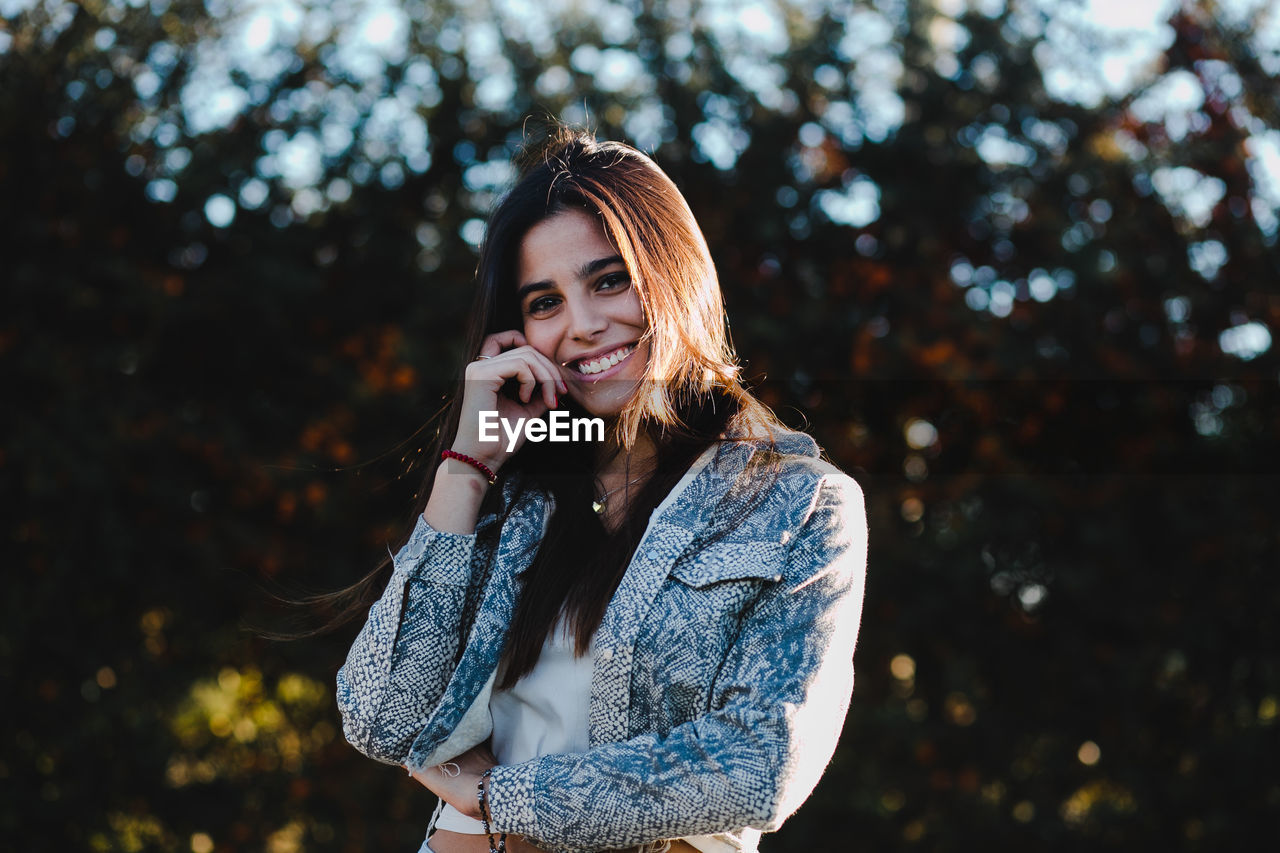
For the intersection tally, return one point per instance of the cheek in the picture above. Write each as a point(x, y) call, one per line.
point(536, 335)
point(637, 312)
point(544, 343)
point(642, 363)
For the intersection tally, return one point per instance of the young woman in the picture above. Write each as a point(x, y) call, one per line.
point(641, 642)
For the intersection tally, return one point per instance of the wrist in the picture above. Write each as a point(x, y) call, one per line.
point(488, 452)
point(475, 468)
point(471, 807)
point(482, 805)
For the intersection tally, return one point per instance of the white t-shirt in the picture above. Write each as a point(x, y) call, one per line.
point(544, 713)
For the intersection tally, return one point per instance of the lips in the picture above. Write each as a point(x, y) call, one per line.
point(596, 364)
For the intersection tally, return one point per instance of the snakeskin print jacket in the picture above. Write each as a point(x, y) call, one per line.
point(724, 662)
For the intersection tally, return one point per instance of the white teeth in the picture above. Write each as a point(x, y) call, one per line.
point(604, 362)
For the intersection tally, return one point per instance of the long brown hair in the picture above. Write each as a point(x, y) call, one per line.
point(690, 397)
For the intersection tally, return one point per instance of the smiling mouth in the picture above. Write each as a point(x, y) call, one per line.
point(600, 364)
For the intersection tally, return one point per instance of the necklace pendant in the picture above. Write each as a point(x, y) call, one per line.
point(598, 506)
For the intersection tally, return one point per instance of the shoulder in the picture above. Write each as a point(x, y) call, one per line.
point(825, 504)
point(785, 482)
point(789, 462)
point(826, 533)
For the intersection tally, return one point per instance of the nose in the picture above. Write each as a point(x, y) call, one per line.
point(586, 320)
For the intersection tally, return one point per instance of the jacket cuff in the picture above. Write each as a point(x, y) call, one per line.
point(435, 556)
point(511, 799)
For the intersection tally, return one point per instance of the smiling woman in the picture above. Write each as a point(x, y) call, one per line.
point(581, 311)
point(643, 642)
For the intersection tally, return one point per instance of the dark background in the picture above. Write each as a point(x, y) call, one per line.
point(1030, 313)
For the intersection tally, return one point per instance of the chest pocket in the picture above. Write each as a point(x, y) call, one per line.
point(728, 561)
point(694, 623)
point(711, 590)
point(716, 585)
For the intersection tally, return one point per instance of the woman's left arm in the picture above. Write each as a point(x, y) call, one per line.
point(779, 704)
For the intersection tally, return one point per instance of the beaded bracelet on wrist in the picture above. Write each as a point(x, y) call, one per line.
point(482, 797)
point(473, 462)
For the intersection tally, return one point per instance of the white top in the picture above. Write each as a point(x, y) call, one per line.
point(546, 712)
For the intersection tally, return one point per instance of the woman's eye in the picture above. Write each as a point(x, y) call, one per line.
point(615, 281)
point(542, 305)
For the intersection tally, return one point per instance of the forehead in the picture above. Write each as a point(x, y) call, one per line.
point(562, 243)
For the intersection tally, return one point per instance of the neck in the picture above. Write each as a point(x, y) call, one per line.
point(619, 473)
point(612, 460)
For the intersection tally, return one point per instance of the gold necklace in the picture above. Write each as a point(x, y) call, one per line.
point(599, 503)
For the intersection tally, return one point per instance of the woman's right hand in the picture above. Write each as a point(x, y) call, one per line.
point(505, 356)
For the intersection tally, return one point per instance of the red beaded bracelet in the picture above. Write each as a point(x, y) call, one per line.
point(474, 463)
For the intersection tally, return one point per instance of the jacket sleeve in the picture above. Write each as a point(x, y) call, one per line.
point(403, 657)
point(778, 707)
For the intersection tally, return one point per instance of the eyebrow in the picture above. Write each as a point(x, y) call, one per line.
point(585, 271)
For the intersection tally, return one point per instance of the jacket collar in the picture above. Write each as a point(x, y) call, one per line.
point(779, 440)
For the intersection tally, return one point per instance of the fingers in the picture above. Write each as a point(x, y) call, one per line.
point(526, 367)
point(528, 378)
point(507, 357)
point(524, 364)
point(500, 341)
point(544, 374)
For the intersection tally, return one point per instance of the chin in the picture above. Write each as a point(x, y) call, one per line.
point(607, 402)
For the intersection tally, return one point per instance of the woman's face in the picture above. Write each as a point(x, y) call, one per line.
point(581, 310)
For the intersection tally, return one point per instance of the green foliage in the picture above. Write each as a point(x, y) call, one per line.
point(1028, 325)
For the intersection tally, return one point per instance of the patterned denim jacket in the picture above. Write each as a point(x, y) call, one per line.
point(723, 670)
